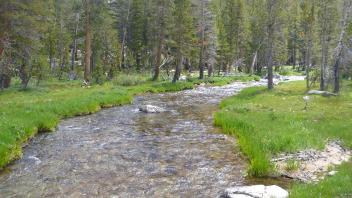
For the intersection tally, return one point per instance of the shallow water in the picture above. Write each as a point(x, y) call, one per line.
point(121, 152)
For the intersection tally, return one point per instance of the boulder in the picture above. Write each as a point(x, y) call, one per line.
point(332, 173)
point(323, 93)
point(256, 191)
point(183, 78)
point(151, 109)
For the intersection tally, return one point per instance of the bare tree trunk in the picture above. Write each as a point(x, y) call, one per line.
point(307, 67)
point(160, 41)
point(210, 69)
point(88, 42)
point(324, 62)
point(74, 49)
point(178, 66)
point(340, 46)
point(271, 30)
point(158, 58)
point(254, 61)
point(294, 54)
point(25, 70)
point(201, 53)
point(2, 86)
point(124, 38)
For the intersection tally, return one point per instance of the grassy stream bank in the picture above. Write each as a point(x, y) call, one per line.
point(271, 122)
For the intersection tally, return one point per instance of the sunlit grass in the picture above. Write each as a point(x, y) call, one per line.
point(270, 122)
point(339, 185)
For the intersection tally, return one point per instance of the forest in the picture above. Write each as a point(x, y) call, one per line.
point(273, 74)
point(97, 40)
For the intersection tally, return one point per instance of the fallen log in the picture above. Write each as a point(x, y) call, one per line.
point(322, 93)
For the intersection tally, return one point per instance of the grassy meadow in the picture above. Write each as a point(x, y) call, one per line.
point(270, 122)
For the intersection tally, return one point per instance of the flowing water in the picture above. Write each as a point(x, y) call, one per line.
point(121, 152)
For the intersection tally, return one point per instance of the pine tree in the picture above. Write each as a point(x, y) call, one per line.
point(234, 29)
point(183, 33)
point(88, 40)
point(137, 31)
point(327, 14)
point(161, 20)
point(307, 24)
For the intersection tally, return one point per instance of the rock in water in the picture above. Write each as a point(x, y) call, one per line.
point(256, 191)
point(151, 109)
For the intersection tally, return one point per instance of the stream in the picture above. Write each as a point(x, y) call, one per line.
point(121, 152)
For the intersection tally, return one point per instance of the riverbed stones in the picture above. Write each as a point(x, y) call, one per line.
point(256, 191)
point(150, 109)
point(313, 165)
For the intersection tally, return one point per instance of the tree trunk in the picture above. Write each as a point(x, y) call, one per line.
point(158, 60)
point(294, 53)
point(340, 46)
point(210, 70)
point(201, 53)
point(254, 61)
point(138, 61)
point(178, 67)
point(307, 68)
point(74, 49)
point(324, 57)
point(88, 42)
point(124, 38)
point(2, 86)
point(271, 29)
point(160, 41)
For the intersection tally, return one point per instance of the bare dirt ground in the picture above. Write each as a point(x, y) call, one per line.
point(312, 165)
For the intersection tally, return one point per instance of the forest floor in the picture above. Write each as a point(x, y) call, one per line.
point(24, 113)
point(270, 123)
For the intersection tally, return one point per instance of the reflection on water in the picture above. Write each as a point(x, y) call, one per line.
point(121, 152)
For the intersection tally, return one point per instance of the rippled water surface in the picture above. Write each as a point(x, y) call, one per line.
point(121, 152)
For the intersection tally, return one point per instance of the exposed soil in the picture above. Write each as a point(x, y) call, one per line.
point(312, 165)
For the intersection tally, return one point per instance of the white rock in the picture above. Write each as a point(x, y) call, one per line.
point(256, 191)
point(332, 173)
point(324, 93)
point(183, 78)
point(37, 161)
point(151, 109)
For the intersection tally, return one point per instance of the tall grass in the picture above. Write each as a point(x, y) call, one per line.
point(130, 79)
point(339, 185)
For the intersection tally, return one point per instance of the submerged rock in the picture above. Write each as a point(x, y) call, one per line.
point(35, 159)
point(256, 191)
point(151, 109)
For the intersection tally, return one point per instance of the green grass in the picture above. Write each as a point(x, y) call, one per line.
point(339, 186)
point(130, 79)
point(289, 71)
point(292, 165)
point(39, 109)
point(270, 122)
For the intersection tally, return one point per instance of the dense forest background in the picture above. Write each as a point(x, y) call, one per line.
point(95, 40)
